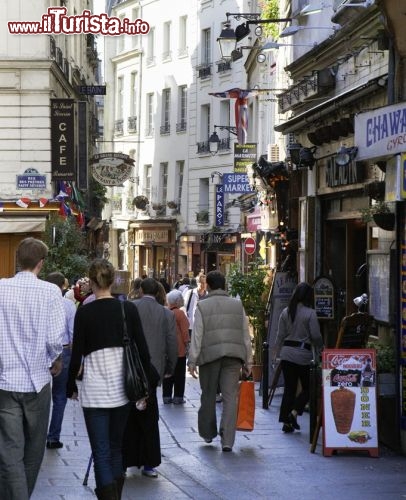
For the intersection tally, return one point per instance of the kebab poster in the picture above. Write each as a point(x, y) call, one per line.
point(349, 396)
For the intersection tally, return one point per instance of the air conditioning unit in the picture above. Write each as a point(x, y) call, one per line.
point(273, 152)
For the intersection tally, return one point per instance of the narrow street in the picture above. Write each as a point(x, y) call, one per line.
point(264, 464)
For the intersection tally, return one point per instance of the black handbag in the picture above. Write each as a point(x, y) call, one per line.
point(135, 379)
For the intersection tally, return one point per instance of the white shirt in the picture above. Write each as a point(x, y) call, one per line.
point(32, 324)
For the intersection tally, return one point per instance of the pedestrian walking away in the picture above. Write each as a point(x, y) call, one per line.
point(220, 347)
point(98, 341)
point(297, 341)
point(176, 382)
point(142, 447)
point(60, 381)
point(32, 325)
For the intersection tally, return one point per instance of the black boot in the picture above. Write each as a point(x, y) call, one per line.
point(107, 492)
point(119, 484)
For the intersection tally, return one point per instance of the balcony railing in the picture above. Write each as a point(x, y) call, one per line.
point(119, 127)
point(165, 129)
point(223, 66)
point(203, 147)
point(181, 126)
point(204, 71)
point(132, 124)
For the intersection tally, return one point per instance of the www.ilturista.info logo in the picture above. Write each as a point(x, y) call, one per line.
point(56, 21)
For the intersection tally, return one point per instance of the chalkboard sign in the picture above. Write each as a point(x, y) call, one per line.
point(324, 298)
point(354, 331)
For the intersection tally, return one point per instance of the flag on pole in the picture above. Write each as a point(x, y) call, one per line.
point(241, 109)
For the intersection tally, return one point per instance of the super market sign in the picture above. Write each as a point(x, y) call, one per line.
point(381, 132)
point(236, 183)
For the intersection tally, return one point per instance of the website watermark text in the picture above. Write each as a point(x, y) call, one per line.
point(56, 22)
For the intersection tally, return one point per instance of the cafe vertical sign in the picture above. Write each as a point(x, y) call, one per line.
point(63, 139)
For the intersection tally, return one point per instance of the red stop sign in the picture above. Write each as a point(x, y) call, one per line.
point(250, 246)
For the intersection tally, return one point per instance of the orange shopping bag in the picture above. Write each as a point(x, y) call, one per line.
point(246, 406)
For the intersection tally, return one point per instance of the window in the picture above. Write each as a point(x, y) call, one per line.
point(205, 122)
point(135, 39)
point(151, 47)
point(120, 39)
point(225, 113)
point(150, 114)
point(134, 93)
point(180, 167)
point(206, 46)
point(166, 111)
point(120, 97)
point(182, 109)
point(203, 146)
point(182, 51)
point(119, 123)
point(202, 214)
point(164, 183)
point(132, 119)
point(147, 181)
point(166, 52)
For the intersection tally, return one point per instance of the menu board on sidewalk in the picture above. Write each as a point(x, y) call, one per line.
point(349, 400)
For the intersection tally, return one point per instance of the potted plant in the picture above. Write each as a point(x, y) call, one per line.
point(172, 204)
point(253, 290)
point(385, 367)
point(381, 214)
point(202, 216)
point(140, 202)
point(157, 206)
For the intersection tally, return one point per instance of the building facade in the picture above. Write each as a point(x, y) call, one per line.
point(36, 73)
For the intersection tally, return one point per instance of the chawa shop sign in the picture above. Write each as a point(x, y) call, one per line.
point(381, 131)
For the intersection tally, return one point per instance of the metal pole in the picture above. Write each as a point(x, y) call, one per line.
point(313, 398)
point(265, 375)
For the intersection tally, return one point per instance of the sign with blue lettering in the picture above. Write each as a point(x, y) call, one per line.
point(219, 205)
point(236, 183)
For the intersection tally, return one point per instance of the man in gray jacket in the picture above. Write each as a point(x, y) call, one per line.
point(220, 346)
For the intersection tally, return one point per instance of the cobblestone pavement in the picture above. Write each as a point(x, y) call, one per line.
point(264, 463)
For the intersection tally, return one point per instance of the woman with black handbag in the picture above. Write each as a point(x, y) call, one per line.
point(98, 339)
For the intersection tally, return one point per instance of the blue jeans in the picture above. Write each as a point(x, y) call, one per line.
point(59, 397)
point(105, 428)
point(24, 420)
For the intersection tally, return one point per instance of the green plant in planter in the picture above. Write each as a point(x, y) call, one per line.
point(385, 357)
point(253, 289)
point(380, 207)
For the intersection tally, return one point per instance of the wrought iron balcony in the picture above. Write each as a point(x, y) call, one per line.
point(165, 129)
point(119, 127)
point(204, 71)
point(132, 124)
point(181, 126)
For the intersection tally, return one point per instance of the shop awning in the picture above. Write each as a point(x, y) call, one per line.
point(302, 120)
point(22, 224)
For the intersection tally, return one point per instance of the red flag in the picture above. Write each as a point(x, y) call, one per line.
point(23, 202)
